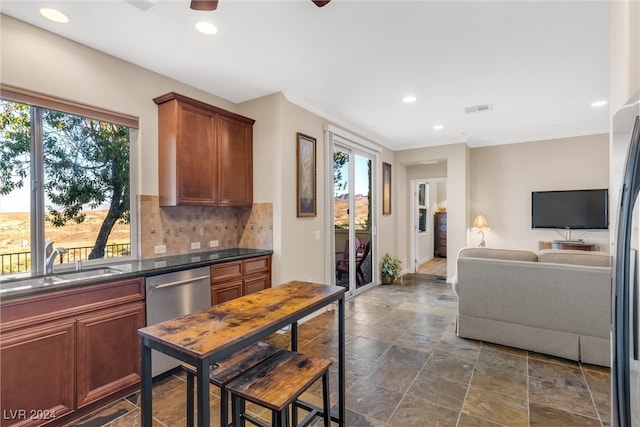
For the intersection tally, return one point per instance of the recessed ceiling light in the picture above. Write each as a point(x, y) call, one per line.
point(409, 99)
point(206, 28)
point(54, 15)
point(438, 127)
point(599, 103)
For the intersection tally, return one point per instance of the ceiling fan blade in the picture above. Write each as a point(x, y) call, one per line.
point(320, 3)
point(204, 4)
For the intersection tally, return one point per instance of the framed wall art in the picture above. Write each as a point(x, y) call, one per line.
point(386, 189)
point(306, 176)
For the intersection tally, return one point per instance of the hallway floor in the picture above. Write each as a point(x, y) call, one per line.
point(435, 267)
point(406, 367)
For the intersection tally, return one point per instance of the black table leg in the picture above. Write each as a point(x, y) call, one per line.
point(145, 386)
point(190, 404)
point(204, 411)
point(294, 336)
point(342, 410)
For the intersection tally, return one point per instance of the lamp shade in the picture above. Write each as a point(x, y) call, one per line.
point(480, 222)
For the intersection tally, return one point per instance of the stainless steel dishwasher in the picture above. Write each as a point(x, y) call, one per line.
point(173, 295)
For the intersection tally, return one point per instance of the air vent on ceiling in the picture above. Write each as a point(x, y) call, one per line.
point(143, 5)
point(478, 108)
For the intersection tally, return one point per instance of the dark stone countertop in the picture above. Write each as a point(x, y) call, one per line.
point(117, 271)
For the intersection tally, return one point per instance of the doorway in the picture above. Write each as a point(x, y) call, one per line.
point(353, 217)
point(428, 203)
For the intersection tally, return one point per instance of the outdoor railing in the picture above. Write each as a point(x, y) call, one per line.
point(19, 262)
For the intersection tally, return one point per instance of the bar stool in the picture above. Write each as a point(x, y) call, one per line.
point(225, 371)
point(278, 382)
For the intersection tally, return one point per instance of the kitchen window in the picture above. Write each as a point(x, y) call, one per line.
point(65, 183)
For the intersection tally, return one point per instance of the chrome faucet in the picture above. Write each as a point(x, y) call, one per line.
point(50, 255)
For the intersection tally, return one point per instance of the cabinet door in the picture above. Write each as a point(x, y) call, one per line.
point(108, 351)
point(197, 157)
point(226, 292)
point(235, 142)
point(42, 389)
point(257, 283)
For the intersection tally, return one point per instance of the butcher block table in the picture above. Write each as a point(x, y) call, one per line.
point(203, 337)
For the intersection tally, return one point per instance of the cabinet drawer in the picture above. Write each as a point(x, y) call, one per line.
point(257, 283)
point(226, 292)
point(41, 308)
point(226, 271)
point(256, 265)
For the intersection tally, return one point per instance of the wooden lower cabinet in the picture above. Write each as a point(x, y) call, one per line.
point(67, 353)
point(108, 352)
point(38, 374)
point(234, 279)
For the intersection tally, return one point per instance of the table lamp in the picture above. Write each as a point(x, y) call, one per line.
point(480, 222)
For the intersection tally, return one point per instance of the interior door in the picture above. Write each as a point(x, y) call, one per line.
point(353, 217)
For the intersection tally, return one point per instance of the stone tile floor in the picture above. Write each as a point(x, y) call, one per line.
point(406, 367)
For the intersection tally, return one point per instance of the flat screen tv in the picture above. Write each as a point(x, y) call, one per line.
point(570, 210)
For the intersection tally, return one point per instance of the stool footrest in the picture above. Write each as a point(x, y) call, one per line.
point(313, 412)
point(253, 420)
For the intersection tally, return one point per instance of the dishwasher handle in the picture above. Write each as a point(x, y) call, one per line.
point(178, 282)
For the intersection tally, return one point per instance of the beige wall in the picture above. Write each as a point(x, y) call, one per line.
point(624, 45)
point(624, 81)
point(503, 177)
point(435, 176)
point(91, 77)
point(388, 224)
point(40, 61)
point(456, 157)
point(297, 254)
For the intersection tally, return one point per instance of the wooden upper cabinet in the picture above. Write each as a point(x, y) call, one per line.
point(235, 143)
point(205, 154)
point(194, 161)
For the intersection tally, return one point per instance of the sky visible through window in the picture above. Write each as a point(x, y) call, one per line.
point(361, 178)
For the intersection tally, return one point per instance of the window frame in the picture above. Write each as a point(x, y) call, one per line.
point(421, 207)
point(39, 102)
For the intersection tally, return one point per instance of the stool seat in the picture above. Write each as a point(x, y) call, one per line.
point(277, 382)
point(226, 370)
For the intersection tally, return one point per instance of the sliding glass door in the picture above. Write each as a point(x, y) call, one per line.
point(353, 214)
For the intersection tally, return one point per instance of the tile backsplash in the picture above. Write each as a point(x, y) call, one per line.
point(178, 227)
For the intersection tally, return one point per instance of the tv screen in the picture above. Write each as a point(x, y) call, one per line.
point(574, 209)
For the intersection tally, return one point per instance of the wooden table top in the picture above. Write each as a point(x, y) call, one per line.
point(206, 332)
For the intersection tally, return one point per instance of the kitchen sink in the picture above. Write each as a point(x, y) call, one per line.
point(84, 274)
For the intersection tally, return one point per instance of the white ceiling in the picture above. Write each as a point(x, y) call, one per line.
point(540, 64)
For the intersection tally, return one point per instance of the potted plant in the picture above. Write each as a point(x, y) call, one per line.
point(390, 269)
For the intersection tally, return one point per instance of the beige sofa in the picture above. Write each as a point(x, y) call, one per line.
point(555, 302)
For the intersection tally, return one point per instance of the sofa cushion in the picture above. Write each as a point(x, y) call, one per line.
point(558, 256)
point(506, 254)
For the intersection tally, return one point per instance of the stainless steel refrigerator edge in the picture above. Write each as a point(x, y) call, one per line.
point(173, 295)
point(625, 240)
